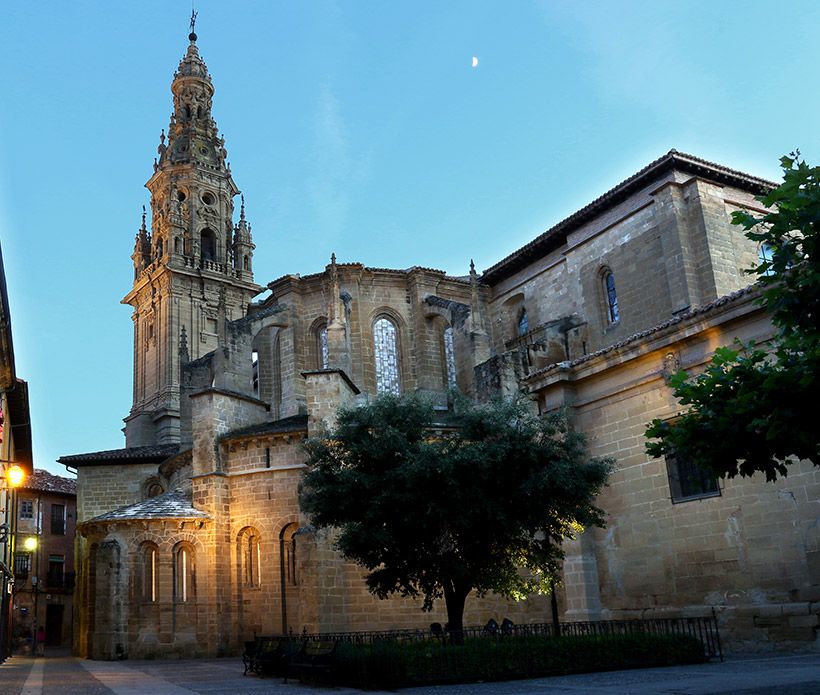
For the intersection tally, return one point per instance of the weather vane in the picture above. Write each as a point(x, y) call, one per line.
point(192, 35)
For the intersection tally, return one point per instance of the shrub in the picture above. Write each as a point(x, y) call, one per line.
point(393, 664)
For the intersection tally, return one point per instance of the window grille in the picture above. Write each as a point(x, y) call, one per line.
point(26, 509)
point(688, 481)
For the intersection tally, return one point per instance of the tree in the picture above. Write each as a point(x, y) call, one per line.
point(754, 409)
point(481, 505)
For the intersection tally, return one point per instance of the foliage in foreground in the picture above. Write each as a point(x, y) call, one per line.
point(390, 664)
point(481, 504)
point(753, 409)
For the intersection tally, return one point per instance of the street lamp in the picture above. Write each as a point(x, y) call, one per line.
point(14, 477)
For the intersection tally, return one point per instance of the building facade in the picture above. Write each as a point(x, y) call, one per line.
point(15, 461)
point(44, 558)
point(191, 539)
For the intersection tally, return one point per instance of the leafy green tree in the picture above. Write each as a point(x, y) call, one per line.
point(481, 504)
point(753, 409)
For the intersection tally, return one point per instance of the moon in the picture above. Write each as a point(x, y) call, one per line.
point(475, 62)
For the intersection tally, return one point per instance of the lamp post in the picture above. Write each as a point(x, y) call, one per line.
point(32, 546)
point(13, 478)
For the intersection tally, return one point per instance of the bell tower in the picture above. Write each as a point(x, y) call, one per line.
point(193, 269)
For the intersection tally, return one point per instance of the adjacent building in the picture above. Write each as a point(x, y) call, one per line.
point(44, 557)
point(15, 460)
point(190, 537)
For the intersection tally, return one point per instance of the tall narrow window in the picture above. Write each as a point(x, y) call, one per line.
point(58, 519)
point(255, 371)
point(56, 572)
point(26, 509)
point(208, 245)
point(523, 322)
point(251, 556)
point(184, 574)
point(287, 548)
point(613, 315)
point(450, 357)
point(386, 349)
point(323, 349)
point(149, 573)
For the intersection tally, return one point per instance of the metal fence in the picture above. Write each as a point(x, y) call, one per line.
point(704, 629)
point(371, 659)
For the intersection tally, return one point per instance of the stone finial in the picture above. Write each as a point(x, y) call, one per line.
point(242, 207)
point(183, 346)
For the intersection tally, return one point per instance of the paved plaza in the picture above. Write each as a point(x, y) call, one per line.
point(61, 674)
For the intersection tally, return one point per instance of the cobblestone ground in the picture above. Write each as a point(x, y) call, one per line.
point(58, 674)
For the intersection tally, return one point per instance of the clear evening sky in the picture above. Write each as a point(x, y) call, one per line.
point(360, 128)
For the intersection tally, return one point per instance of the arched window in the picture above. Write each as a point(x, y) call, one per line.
point(208, 245)
point(245, 264)
point(386, 351)
point(250, 557)
point(450, 357)
point(611, 297)
point(177, 245)
point(184, 579)
point(287, 548)
point(148, 572)
point(322, 349)
point(523, 322)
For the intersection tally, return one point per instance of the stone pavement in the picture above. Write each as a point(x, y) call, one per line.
point(60, 674)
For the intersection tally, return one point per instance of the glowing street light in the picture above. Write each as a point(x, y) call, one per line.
point(15, 476)
point(30, 544)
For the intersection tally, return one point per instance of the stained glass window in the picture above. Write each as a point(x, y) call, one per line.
point(450, 357)
point(611, 297)
point(324, 353)
point(385, 343)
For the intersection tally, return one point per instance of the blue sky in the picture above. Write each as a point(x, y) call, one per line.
point(360, 128)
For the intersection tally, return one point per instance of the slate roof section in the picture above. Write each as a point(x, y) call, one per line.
point(295, 423)
point(672, 160)
point(175, 504)
point(681, 318)
point(43, 481)
point(132, 454)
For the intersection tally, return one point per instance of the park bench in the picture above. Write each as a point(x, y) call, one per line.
point(315, 657)
point(267, 656)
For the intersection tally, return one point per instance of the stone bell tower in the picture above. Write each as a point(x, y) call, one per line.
point(194, 269)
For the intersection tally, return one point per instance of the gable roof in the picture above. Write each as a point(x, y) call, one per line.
point(672, 160)
point(132, 454)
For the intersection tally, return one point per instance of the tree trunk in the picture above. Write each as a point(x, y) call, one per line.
point(454, 597)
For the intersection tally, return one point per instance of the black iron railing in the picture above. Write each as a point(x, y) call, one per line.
point(704, 629)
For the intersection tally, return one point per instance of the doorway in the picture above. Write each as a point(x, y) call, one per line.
point(54, 625)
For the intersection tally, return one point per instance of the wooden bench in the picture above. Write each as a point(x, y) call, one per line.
point(314, 657)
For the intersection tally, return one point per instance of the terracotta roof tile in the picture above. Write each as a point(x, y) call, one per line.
point(43, 481)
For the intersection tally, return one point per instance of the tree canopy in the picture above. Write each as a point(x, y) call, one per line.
point(481, 503)
point(754, 408)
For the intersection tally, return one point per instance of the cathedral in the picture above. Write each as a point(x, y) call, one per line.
point(190, 538)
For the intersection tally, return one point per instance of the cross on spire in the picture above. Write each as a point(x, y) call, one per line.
point(192, 35)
